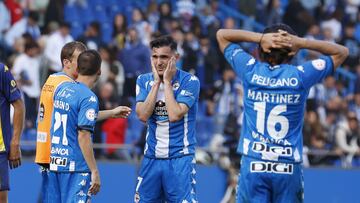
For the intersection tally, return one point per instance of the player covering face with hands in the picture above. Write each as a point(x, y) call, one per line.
point(167, 101)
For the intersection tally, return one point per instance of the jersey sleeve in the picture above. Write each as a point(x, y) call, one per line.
point(239, 60)
point(189, 92)
point(316, 70)
point(89, 109)
point(9, 86)
point(141, 92)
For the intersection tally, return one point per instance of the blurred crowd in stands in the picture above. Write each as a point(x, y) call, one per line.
point(32, 33)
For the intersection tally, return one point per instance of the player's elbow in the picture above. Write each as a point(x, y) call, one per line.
point(344, 53)
point(220, 35)
point(142, 116)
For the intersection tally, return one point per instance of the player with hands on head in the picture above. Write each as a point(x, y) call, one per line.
point(275, 94)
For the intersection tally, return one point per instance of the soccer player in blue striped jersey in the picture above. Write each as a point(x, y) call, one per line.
point(73, 167)
point(275, 93)
point(167, 100)
point(10, 154)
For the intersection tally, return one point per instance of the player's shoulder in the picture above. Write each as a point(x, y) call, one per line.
point(84, 92)
point(145, 76)
point(186, 76)
point(3, 68)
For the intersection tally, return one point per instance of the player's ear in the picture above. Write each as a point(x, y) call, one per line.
point(66, 63)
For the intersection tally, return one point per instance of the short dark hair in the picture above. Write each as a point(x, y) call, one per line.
point(163, 41)
point(89, 62)
point(30, 45)
point(69, 48)
point(276, 56)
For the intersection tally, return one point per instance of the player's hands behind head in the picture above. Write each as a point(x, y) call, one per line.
point(295, 42)
point(14, 155)
point(279, 40)
point(121, 112)
point(95, 183)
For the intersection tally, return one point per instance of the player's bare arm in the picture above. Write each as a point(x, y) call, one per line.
point(145, 109)
point(118, 112)
point(337, 52)
point(15, 152)
point(86, 147)
point(268, 40)
point(176, 111)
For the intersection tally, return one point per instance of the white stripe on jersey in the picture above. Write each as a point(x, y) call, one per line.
point(186, 130)
point(146, 144)
point(162, 137)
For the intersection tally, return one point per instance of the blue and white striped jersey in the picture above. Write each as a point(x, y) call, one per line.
point(274, 104)
point(75, 108)
point(165, 139)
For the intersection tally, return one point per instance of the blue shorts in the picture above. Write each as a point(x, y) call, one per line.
point(4, 172)
point(172, 180)
point(266, 181)
point(68, 187)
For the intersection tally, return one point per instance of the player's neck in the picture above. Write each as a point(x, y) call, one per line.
point(87, 80)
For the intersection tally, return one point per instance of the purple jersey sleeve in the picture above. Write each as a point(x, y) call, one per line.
point(9, 86)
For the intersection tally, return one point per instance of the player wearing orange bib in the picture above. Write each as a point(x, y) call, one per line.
point(69, 56)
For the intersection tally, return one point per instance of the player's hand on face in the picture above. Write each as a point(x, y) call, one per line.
point(170, 70)
point(157, 78)
point(95, 183)
point(14, 155)
point(121, 112)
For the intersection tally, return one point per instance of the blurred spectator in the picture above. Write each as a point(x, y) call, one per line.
point(135, 58)
point(25, 25)
point(53, 47)
point(26, 70)
point(353, 45)
point(153, 15)
point(119, 30)
point(208, 63)
point(191, 47)
point(4, 19)
point(16, 11)
point(225, 99)
point(142, 27)
point(347, 138)
point(165, 18)
point(92, 36)
point(355, 106)
point(4, 26)
point(298, 17)
point(273, 12)
point(112, 70)
point(55, 11)
point(333, 23)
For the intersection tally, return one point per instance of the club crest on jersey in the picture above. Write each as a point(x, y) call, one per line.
point(176, 86)
point(319, 64)
point(160, 108)
point(41, 112)
point(137, 197)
